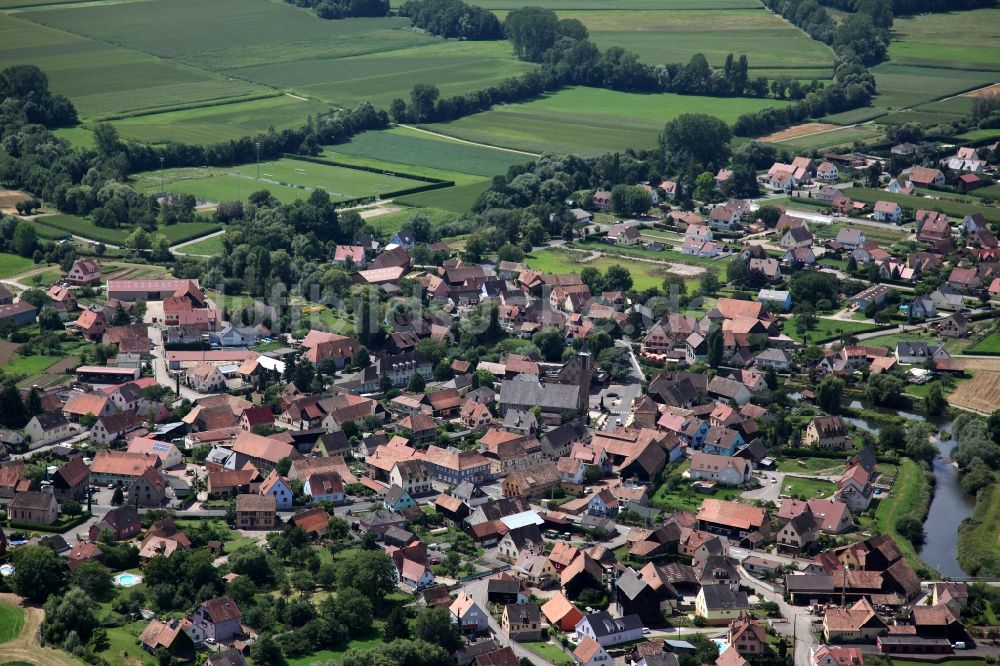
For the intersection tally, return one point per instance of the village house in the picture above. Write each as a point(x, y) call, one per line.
point(720, 604)
point(33, 508)
point(219, 618)
point(46, 428)
point(522, 622)
point(84, 272)
point(608, 630)
point(725, 470)
point(828, 432)
point(470, 618)
point(256, 512)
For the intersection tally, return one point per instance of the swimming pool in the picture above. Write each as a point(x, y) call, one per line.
point(127, 579)
point(722, 643)
point(6, 569)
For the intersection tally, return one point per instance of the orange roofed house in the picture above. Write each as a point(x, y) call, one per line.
point(733, 520)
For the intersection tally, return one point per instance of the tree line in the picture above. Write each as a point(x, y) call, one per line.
point(453, 19)
point(341, 9)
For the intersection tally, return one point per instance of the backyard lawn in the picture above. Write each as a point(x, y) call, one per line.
point(808, 488)
point(809, 465)
point(548, 651)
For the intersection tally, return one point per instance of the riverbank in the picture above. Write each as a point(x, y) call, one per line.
point(979, 536)
point(911, 496)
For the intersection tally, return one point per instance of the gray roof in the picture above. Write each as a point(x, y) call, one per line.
point(809, 583)
point(524, 613)
point(631, 584)
point(604, 625)
point(527, 390)
point(723, 597)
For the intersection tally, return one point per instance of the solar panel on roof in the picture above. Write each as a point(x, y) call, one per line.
point(162, 448)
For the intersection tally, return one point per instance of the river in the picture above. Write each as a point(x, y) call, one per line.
point(949, 507)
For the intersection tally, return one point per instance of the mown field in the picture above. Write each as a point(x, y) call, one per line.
point(589, 121)
point(429, 151)
point(103, 79)
point(286, 179)
point(644, 275)
point(388, 224)
point(209, 124)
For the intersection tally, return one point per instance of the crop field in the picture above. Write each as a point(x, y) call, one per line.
point(589, 121)
point(430, 152)
point(937, 55)
point(202, 34)
point(620, 5)
point(957, 40)
point(209, 124)
point(340, 62)
point(665, 36)
point(954, 209)
point(102, 79)
point(286, 179)
point(829, 139)
point(454, 68)
point(458, 199)
point(981, 393)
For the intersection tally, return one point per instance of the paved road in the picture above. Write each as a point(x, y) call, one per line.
point(477, 590)
point(799, 624)
point(163, 376)
point(769, 491)
point(628, 391)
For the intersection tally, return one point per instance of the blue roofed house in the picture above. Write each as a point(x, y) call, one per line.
point(722, 441)
point(398, 499)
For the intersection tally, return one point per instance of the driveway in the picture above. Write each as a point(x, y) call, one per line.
point(769, 491)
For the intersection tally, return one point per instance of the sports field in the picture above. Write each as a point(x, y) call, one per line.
point(286, 179)
point(209, 124)
point(589, 121)
point(425, 150)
